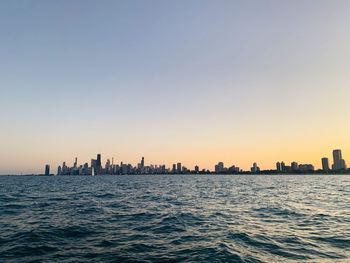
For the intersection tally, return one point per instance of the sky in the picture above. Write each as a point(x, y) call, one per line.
point(193, 81)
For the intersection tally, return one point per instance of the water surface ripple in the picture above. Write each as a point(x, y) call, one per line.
point(175, 218)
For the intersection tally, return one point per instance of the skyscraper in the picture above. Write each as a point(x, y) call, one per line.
point(283, 167)
point(59, 170)
point(278, 167)
point(64, 168)
point(98, 161)
point(143, 162)
point(325, 164)
point(47, 169)
point(108, 166)
point(178, 168)
point(338, 161)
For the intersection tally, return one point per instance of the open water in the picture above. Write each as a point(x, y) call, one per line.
point(175, 218)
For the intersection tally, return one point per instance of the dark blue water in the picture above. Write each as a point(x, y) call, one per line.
point(180, 218)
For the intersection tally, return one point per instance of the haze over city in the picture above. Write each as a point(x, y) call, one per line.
point(191, 81)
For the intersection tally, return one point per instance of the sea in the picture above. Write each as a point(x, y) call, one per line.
point(175, 218)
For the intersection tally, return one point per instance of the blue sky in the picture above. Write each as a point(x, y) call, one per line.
point(191, 81)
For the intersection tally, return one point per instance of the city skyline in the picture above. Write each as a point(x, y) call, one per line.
point(174, 131)
point(331, 162)
point(197, 81)
point(96, 167)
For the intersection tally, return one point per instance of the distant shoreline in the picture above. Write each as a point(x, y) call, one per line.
point(233, 174)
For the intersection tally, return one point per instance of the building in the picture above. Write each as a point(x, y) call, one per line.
point(142, 162)
point(325, 164)
point(93, 163)
point(64, 168)
point(98, 161)
point(85, 169)
point(294, 166)
point(233, 169)
point(178, 168)
point(108, 166)
point(287, 169)
point(174, 168)
point(278, 167)
point(219, 168)
point(306, 168)
point(196, 169)
point(283, 167)
point(338, 161)
point(59, 170)
point(47, 169)
point(255, 168)
point(124, 168)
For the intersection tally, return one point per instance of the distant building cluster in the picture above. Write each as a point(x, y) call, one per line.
point(338, 161)
point(96, 168)
point(294, 167)
point(220, 169)
point(338, 165)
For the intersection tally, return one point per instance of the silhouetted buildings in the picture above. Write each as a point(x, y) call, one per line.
point(294, 166)
point(338, 165)
point(47, 169)
point(219, 168)
point(306, 168)
point(93, 163)
point(283, 167)
point(178, 168)
point(196, 169)
point(338, 161)
point(325, 164)
point(98, 160)
point(255, 168)
point(142, 162)
point(278, 167)
point(96, 168)
point(233, 170)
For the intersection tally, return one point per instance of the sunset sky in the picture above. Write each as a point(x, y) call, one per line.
point(193, 81)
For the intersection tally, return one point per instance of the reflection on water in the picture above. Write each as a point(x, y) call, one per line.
point(177, 218)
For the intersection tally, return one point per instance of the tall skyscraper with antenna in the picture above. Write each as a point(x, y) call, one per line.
point(143, 162)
